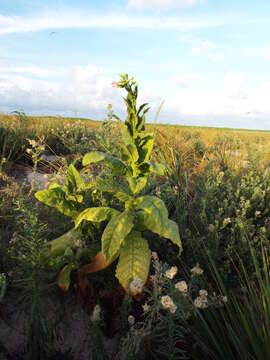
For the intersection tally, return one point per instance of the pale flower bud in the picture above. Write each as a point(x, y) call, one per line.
point(96, 314)
point(136, 286)
point(182, 287)
point(167, 303)
point(115, 84)
point(170, 274)
point(196, 270)
point(131, 320)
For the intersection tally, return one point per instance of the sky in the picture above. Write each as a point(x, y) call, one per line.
point(208, 60)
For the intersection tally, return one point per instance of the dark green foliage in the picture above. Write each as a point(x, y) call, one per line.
point(241, 328)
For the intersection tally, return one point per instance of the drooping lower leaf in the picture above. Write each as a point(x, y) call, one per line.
point(115, 232)
point(97, 263)
point(57, 247)
point(172, 233)
point(64, 277)
point(96, 214)
point(134, 261)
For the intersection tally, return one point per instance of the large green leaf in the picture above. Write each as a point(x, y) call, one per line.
point(95, 214)
point(116, 165)
point(115, 232)
point(112, 186)
point(55, 197)
point(152, 214)
point(136, 184)
point(129, 153)
point(96, 156)
point(146, 143)
point(134, 260)
point(172, 233)
point(93, 157)
point(74, 181)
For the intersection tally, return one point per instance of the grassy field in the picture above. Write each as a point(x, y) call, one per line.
point(212, 302)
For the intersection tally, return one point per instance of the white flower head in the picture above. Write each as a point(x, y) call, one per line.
point(182, 287)
point(224, 299)
point(201, 302)
point(96, 314)
point(170, 274)
point(146, 308)
point(167, 303)
point(131, 320)
point(136, 286)
point(32, 142)
point(196, 270)
point(203, 293)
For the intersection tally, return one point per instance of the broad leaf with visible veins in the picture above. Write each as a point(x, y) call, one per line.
point(115, 232)
point(134, 261)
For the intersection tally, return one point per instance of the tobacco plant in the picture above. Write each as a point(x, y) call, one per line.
point(122, 237)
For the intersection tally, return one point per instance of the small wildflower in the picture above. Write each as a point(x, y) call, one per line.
point(167, 303)
point(196, 270)
point(182, 287)
point(170, 274)
point(203, 293)
point(226, 221)
point(115, 84)
point(257, 213)
point(96, 314)
point(158, 192)
point(131, 320)
point(14, 239)
point(78, 243)
point(173, 308)
point(200, 302)
point(224, 299)
point(32, 142)
point(146, 307)
point(136, 286)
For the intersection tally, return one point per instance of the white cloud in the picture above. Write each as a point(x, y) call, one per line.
point(78, 20)
point(86, 90)
point(160, 4)
point(81, 89)
point(266, 53)
point(31, 70)
point(183, 80)
point(200, 47)
point(236, 98)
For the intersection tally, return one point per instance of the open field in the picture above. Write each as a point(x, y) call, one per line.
point(68, 299)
